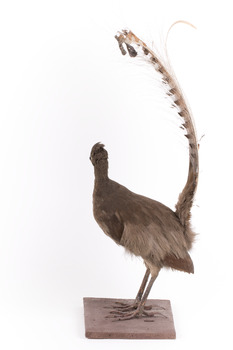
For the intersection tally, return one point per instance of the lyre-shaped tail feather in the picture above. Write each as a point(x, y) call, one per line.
point(134, 46)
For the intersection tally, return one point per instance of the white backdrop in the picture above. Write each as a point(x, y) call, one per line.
point(65, 86)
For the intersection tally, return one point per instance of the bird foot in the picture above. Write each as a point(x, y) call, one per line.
point(138, 313)
point(124, 307)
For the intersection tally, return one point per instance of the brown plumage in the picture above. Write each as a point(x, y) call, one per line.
point(145, 227)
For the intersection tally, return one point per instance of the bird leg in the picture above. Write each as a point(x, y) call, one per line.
point(142, 287)
point(140, 309)
point(122, 307)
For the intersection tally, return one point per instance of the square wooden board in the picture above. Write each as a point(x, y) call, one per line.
point(97, 326)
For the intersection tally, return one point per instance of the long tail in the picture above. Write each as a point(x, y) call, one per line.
point(134, 47)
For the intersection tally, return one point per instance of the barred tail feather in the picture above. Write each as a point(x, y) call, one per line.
point(136, 46)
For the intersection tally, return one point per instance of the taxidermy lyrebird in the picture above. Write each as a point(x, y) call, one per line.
point(146, 227)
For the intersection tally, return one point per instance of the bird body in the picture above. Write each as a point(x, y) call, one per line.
point(143, 226)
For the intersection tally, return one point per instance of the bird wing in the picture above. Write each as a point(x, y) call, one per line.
point(151, 230)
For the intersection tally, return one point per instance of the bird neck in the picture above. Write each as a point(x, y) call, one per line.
point(101, 170)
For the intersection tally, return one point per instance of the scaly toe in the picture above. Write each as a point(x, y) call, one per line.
point(129, 316)
point(153, 314)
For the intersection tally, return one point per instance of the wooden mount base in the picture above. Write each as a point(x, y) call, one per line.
point(97, 326)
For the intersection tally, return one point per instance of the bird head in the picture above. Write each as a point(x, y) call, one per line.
point(98, 153)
